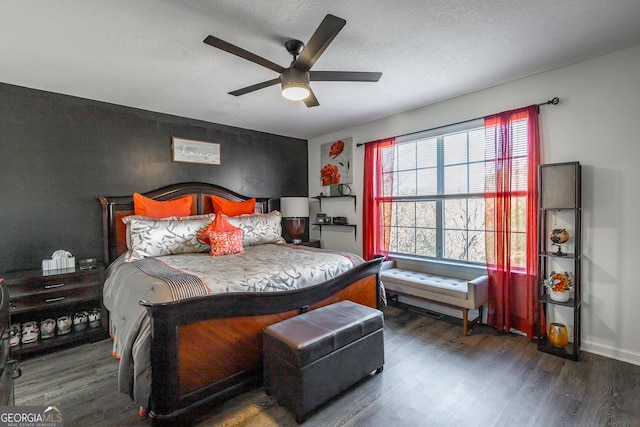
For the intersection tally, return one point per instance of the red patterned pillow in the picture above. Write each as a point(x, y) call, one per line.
point(226, 242)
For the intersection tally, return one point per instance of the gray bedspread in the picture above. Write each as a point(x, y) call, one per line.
point(262, 268)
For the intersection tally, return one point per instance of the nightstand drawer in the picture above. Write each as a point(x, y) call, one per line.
point(30, 285)
point(54, 298)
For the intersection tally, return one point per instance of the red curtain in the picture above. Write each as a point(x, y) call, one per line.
point(512, 246)
point(376, 212)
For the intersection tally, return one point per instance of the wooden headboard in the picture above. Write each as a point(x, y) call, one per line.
point(114, 208)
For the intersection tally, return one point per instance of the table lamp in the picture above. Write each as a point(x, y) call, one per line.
point(294, 211)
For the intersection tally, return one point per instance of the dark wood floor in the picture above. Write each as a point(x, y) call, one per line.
point(432, 377)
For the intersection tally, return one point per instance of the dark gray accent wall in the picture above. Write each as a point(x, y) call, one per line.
point(58, 153)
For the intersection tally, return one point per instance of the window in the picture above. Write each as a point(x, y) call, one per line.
point(435, 183)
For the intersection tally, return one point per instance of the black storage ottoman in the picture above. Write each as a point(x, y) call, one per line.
point(312, 357)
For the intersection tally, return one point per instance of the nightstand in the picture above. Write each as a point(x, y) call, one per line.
point(311, 243)
point(35, 297)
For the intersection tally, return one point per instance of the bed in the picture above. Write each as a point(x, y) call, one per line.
point(181, 351)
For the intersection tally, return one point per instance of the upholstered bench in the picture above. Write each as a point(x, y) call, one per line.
point(459, 293)
point(312, 357)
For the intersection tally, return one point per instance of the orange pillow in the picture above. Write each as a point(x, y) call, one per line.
point(230, 208)
point(145, 206)
point(220, 223)
point(226, 242)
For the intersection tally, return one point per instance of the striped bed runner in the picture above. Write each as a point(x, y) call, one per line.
point(182, 285)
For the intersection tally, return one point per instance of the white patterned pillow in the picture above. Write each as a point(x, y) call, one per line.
point(151, 237)
point(259, 229)
point(127, 220)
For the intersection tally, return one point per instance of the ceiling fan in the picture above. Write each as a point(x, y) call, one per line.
point(295, 79)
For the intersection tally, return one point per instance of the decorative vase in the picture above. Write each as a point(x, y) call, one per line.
point(559, 296)
point(558, 336)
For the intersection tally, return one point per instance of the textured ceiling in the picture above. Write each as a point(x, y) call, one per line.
point(149, 54)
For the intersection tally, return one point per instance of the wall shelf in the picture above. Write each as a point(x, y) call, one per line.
point(320, 198)
point(354, 226)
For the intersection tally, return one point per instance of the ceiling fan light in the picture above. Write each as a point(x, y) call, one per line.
point(295, 84)
point(295, 93)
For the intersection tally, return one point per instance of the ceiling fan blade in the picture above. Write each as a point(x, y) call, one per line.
point(311, 100)
point(238, 51)
point(255, 87)
point(324, 35)
point(344, 76)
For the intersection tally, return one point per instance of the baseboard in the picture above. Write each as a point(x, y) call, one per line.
point(611, 352)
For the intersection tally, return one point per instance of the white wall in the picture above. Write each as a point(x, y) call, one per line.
point(596, 123)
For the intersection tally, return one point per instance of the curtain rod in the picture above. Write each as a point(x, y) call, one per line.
point(552, 101)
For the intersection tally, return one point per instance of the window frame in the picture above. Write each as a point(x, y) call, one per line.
point(439, 198)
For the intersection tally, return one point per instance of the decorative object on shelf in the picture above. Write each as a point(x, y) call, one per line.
point(95, 316)
point(558, 335)
point(294, 211)
point(47, 329)
point(15, 334)
point(340, 220)
point(344, 189)
point(30, 332)
point(80, 320)
point(322, 218)
point(335, 162)
point(558, 236)
point(559, 286)
point(87, 263)
point(64, 325)
point(60, 260)
point(334, 190)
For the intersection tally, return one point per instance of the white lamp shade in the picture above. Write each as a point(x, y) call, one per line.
point(294, 207)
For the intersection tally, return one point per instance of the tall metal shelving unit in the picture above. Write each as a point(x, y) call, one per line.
point(560, 199)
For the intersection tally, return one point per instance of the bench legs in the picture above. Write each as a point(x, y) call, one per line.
point(465, 319)
point(393, 296)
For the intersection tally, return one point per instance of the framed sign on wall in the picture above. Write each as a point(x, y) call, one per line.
point(190, 151)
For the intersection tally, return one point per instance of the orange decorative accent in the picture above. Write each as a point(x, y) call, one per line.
point(230, 208)
point(220, 223)
point(558, 336)
point(226, 242)
point(145, 206)
point(559, 282)
point(142, 412)
point(336, 148)
point(330, 174)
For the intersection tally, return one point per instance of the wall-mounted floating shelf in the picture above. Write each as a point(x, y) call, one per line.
point(320, 198)
point(354, 226)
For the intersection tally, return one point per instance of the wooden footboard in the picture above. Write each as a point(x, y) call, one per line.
point(207, 349)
